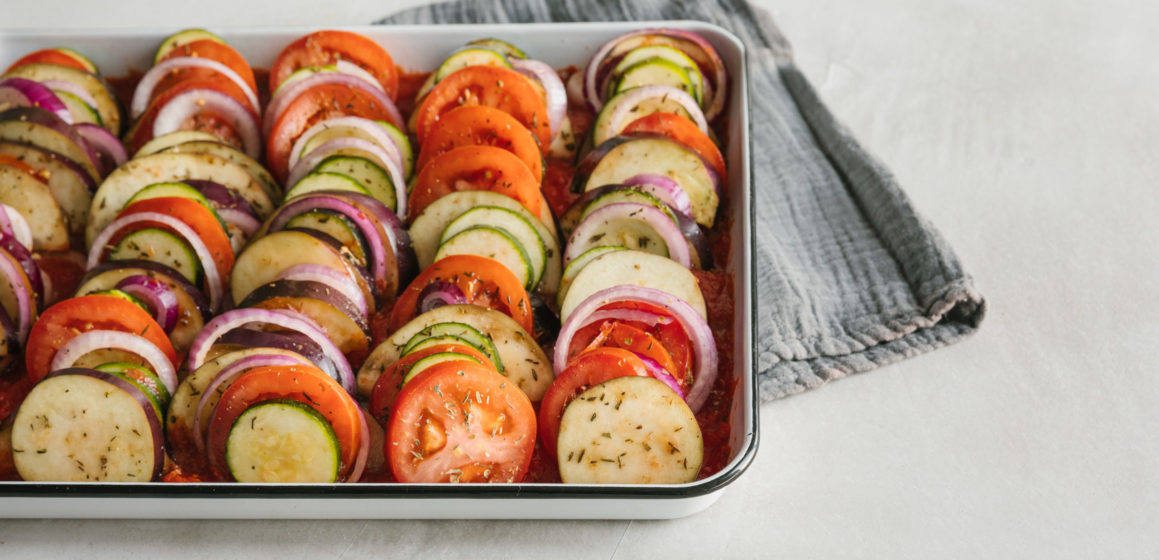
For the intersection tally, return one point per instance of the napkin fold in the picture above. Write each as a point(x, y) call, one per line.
point(849, 277)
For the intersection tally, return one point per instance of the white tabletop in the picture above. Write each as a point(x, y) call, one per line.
point(1029, 133)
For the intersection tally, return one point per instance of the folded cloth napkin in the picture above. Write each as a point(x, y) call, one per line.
point(849, 277)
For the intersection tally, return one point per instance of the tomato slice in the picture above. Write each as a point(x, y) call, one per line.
point(206, 77)
point(460, 422)
point(198, 218)
point(49, 56)
point(316, 104)
point(506, 90)
point(477, 168)
point(220, 52)
point(327, 47)
point(671, 336)
point(484, 282)
point(479, 125)
point(64, 321)
point(588, 370)
point(142, 130)
point(389, 383)
point(617, 334)
point(307, 385)
point(682, 130)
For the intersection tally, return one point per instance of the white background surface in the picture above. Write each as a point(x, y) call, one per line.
point(1029, 133)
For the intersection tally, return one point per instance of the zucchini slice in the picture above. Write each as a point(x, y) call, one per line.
point(478, 55)
point(523, 360)
point(657, 71)
point(630, 430)
point(577, 264)
point(326, 181)
point(162, 247)
point(453, 332)
point(494, 243)
point(511, 222)
point(428, 361)
point(282, 441)
point(364, 171)
point(427, 229)
point(183, 37)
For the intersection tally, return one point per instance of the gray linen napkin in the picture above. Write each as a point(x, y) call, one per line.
point(849, 276)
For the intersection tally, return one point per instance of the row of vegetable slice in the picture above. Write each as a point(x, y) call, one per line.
point(539, 280)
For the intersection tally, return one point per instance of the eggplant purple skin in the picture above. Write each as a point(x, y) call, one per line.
point(31, 269)
point(337, 246)
point(45, 118)
point(151, 267)
point(221, 196)
point(292, 342)
point(74, 167)
point(545, 320)
point(156, 424)
point(308, 289)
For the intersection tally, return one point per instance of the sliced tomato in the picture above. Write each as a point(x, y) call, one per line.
point(305, 384)
point(327, 47)
point(142, 130)
point(206, 77)
point(64, 321)
point(477, 168)
point(478, 125)
point(386, 389)
point(616, 334)
point(506, 90)
point(49, 56)
point(220, 52)
point(316, 104)
point(460, 422)
point(587, 370)
point(197, 217)
point(671, 336)
point(685, 132)
point(484, 282)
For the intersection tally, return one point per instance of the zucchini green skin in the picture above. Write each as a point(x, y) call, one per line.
point(282, 440)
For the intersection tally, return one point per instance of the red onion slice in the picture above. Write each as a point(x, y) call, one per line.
point(369, 127)
point(286, 95)
point(71, 89)
point(189, 103)
point(625, 112)
point(14, 224)
point(100, 339)
point(657, 371)
point(636, 315)
point(144, 92)
point(363, 449)
point(23, 257)
point(341, 283)
point(22, 92)
point(711, 66)
point(664, 188)
point(156, 295)
point(327, 148)
point(228, 374)
point(705, 357)
point(110, 150)
point(552, 86)
point(438, 294)
point(214, 282)
point(324, 201)
point(237, 318)
point(240, 219)
point(663, 225)
point(11, 269)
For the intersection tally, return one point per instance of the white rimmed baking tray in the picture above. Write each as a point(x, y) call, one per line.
point(422, 48)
